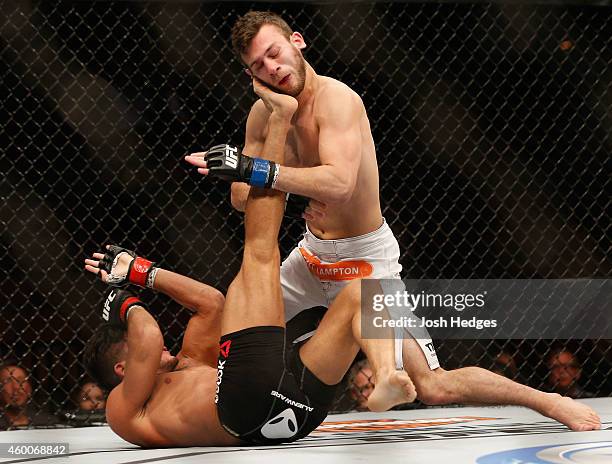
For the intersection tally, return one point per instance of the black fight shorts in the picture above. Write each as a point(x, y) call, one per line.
point(262, 399)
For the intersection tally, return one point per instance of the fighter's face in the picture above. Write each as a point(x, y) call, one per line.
point(277, 61)
point(15, 388)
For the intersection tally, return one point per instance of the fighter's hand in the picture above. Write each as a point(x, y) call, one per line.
point(315, 210)
point(227, 162)
point(119, 266)
point(298, 206)
point(93, 265)
point(197, 159)
point(278, 103)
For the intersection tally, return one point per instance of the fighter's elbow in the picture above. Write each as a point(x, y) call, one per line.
point(208, 301)
point(214, 301)
point(341, 192)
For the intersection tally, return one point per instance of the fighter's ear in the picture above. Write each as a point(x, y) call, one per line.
point(119, 369)
point(248, 72)
point(297, 40)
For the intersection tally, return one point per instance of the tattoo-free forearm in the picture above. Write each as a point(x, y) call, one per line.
point(326, 183)
point(143, 334)
point(188, 292)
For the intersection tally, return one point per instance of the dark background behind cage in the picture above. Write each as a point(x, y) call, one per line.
point(492, 125)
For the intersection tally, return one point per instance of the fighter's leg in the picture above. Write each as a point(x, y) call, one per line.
point(474, 385)
point(340, 330)
point(254, 298)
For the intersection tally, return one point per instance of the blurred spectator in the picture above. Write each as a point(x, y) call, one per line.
point(564, 374)
point(360, 384)
point(90, 397)
point(15, 396)
point(505, 365)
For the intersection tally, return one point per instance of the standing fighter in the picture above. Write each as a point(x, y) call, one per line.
point(329, 158)
point(263, 394)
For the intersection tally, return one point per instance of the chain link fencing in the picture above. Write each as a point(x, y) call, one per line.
point(492, 124)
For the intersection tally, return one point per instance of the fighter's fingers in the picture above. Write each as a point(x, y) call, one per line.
point(203, 171)
point(313, 213)
point(199, 154)
point(93, 263)
point(196, 161)
point(307, 216)
point(317, 205)
point(92, 269)
point(97, 255)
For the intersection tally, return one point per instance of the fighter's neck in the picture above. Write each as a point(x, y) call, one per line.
point(310, 87)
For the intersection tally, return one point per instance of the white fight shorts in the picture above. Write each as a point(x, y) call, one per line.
point(316, 270)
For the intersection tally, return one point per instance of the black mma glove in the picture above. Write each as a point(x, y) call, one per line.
point(295, 205)
point(228, 163)
point(141, 271)
point(117, 304)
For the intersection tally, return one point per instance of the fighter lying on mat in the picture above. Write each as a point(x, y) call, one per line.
point(171, 402)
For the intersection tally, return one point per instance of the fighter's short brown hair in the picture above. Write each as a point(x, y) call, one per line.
point(103, 350)
point(247, 26)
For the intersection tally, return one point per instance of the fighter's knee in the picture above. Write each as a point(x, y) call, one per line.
point(352, 292)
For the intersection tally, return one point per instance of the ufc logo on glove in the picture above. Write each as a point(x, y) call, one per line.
point(231, 156)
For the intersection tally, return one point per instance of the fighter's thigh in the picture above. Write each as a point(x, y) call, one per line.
point(301, 290)
point(332, 349)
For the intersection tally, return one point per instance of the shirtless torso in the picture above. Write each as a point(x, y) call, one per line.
point(330, 155)
point(361, 213)
point(180, 411)
point(166, 400)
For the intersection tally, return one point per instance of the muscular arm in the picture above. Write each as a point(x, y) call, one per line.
point(145, 343)
point(201, 339)
point(339, 112)
point(204, 327)
point(196, 296)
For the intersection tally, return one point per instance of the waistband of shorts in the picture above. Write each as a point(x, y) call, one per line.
point(349, 244)
point(259, 329)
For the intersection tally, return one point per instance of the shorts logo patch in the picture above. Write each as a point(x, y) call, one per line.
point(284, 425)
point(224, 348)
point(342, 270)
point(220, 367)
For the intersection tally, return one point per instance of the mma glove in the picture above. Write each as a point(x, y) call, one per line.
point(228, 163)
point(117, 305)
point(295, 205)
point(141, 271)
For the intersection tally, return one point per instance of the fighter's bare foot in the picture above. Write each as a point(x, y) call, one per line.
point(390, 390)
point(577, 416)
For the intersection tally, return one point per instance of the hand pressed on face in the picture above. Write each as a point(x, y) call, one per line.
point(284, 105)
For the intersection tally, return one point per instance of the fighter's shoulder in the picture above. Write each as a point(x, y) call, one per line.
point(135, 427)
point(335, 94)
